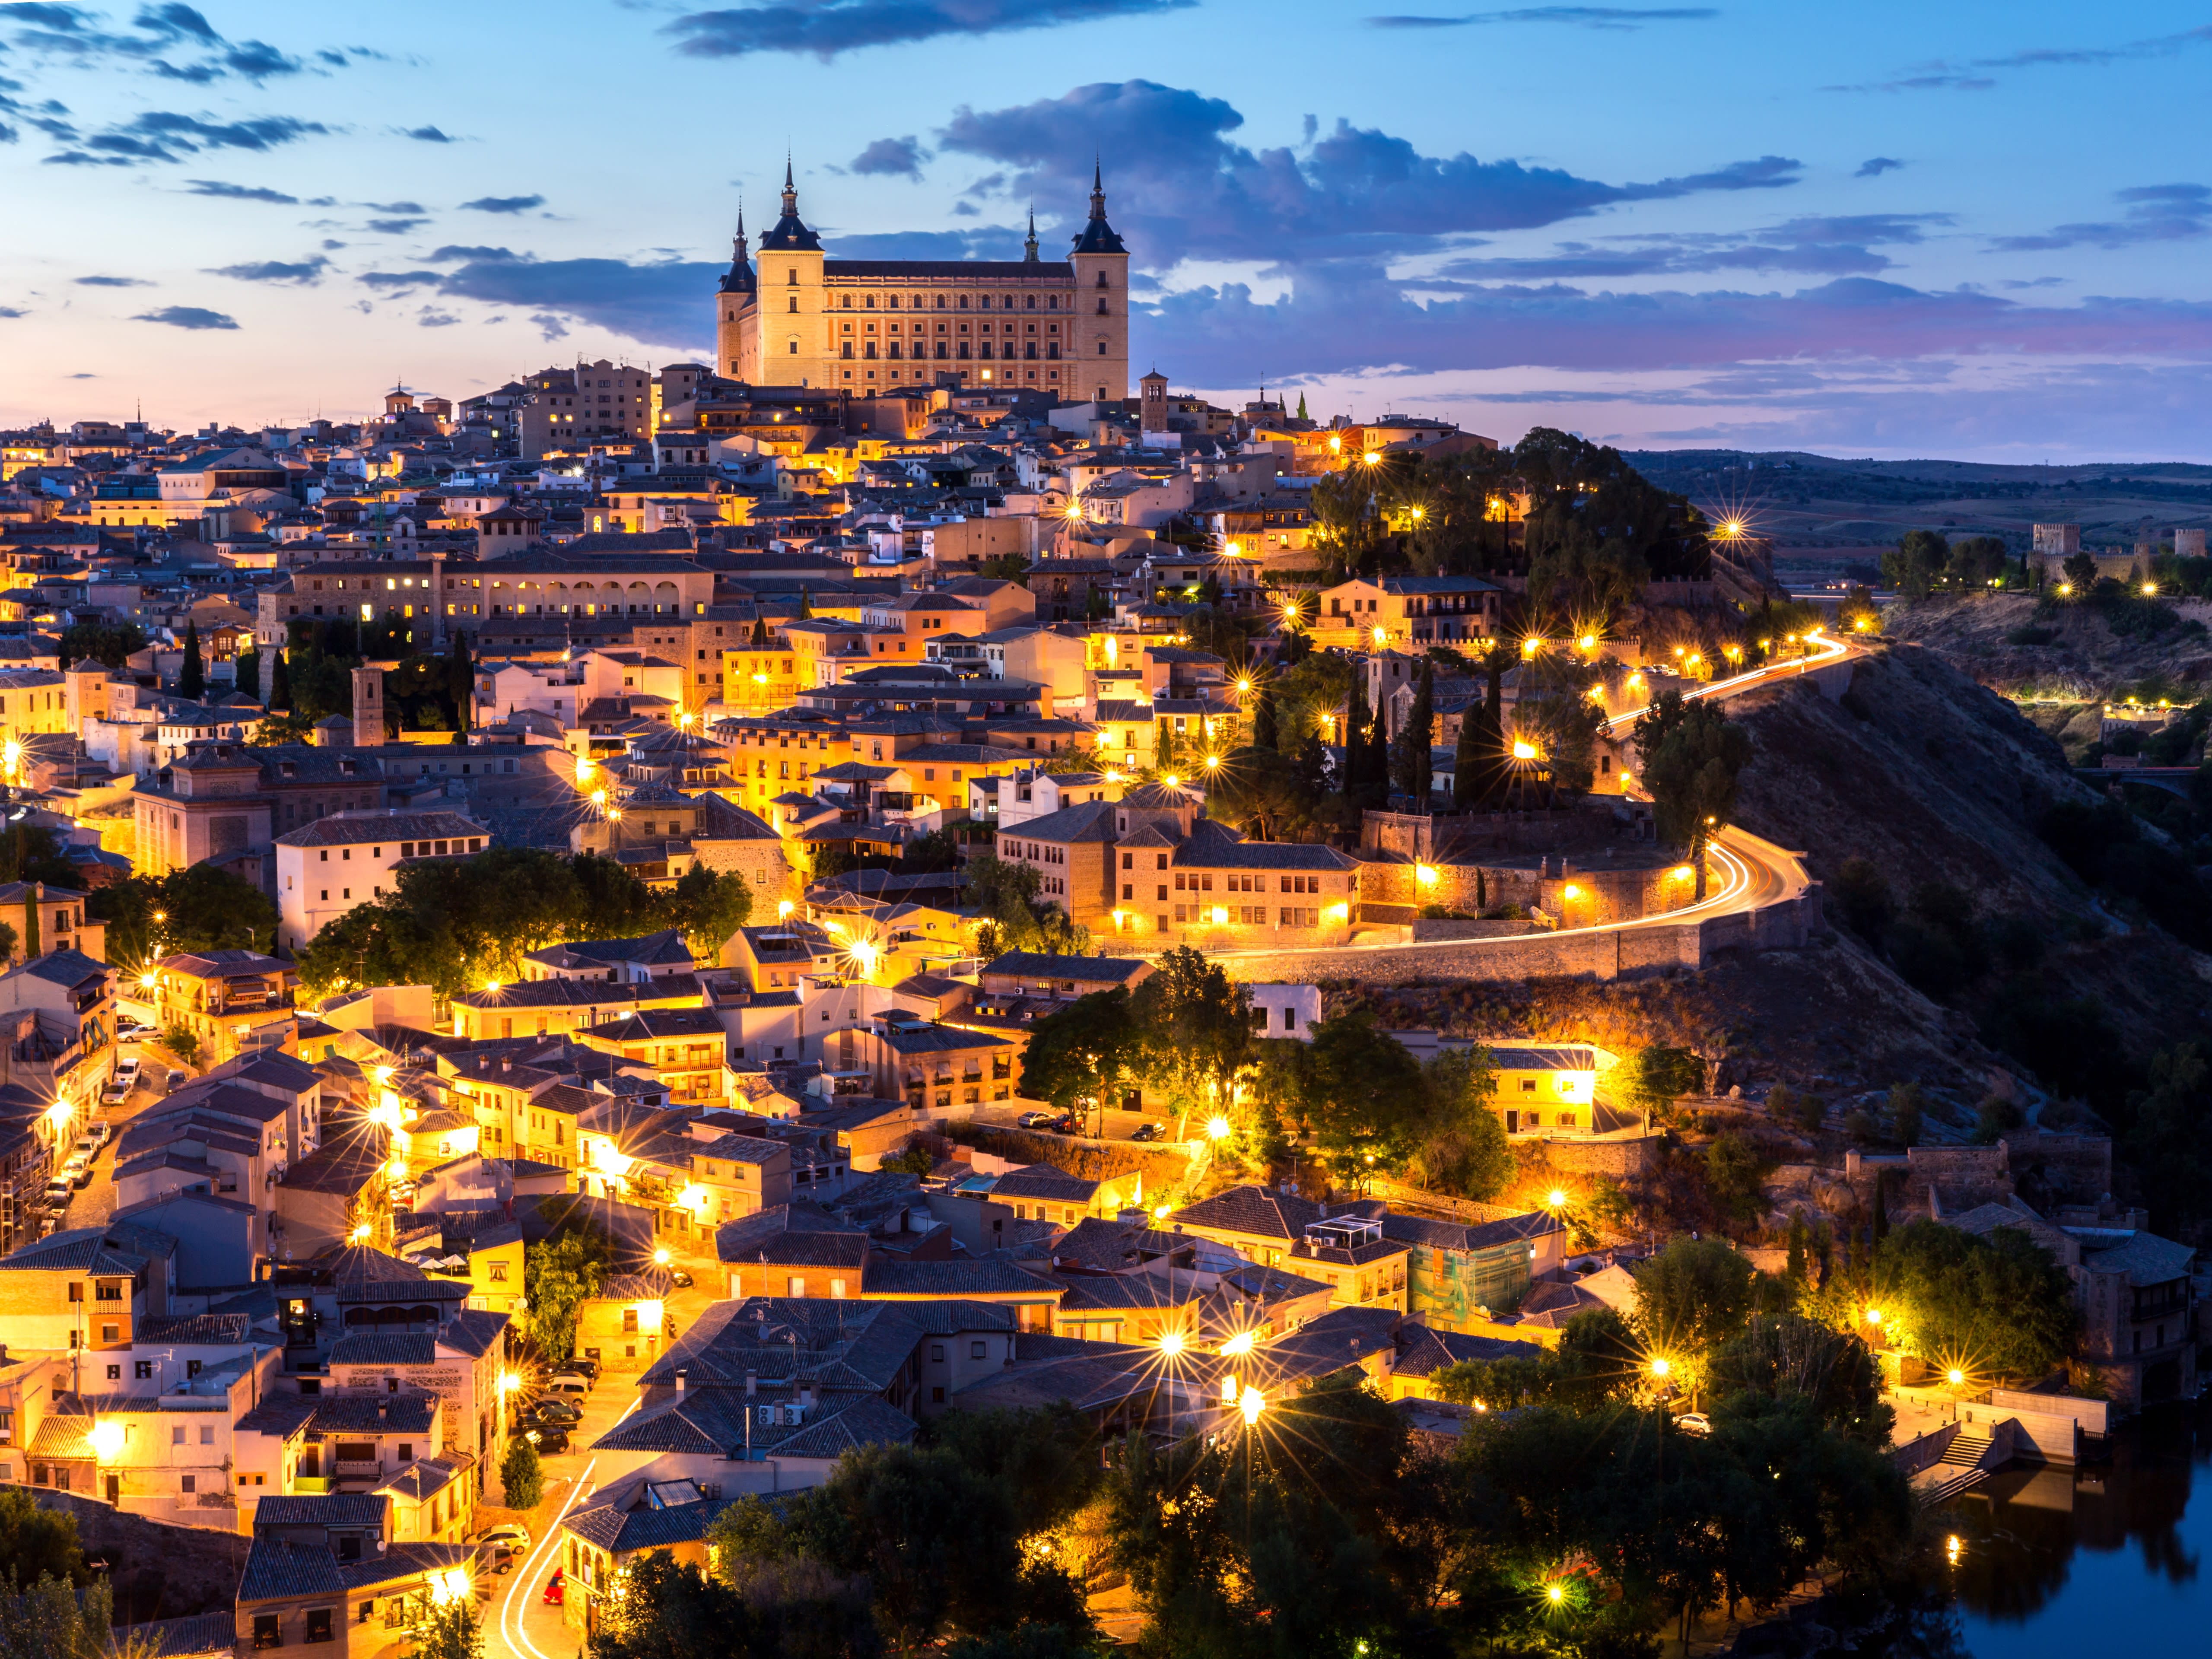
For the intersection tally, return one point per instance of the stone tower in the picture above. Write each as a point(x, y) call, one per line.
point(1101, 345)
point(369, 707)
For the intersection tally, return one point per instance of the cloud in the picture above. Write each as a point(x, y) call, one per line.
point(194, 317)
point(656, 302)
point(156, 37)
point(993, 242)
point(429, 135)
point(431, 317)
point(13, 311)
point(826, 27)
point(396, 207)
point(396, 281)
point(169, 135)
point(303, 271)
point(1182, 189)
point(112, 282)
point(1874, 165)
point(1833, 245)
point(1972, 74)
point(549, 327)
point(80, 377)
point(395, 227)
point(229, 193)
point(1588, 17)
point(2155, 213)
point(900, 157)
point(504, 203)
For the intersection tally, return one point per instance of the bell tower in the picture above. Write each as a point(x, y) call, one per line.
point(736, 301)
point(1101, 328)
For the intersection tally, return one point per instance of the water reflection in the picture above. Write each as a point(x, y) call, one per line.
point(2073, 1561)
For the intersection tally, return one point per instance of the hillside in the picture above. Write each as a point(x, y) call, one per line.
point(2013, 644)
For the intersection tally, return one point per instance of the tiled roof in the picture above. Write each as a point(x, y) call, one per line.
point(1087, 821)
point(337, 1509)
point(277, 1569)
point(368, 1413)
point(1043, 1181)
point(1423, 1353)
point(189, 1329)
point(351, 829)
point(796, 1235)
point(1468, 1236)
point(196, 1636)
point(895, 1276)
point(1084, 970)
point(385, 1348)
point(1252, 1210)
point(474, 1330)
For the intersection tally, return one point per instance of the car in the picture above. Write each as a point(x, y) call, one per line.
point(86, 1148)
point(556, 1589)
point(549, 1410)
point(496, 1555)
point(1694, 1423)
point(1148, 1132)
point(550, 1441)
point(1037, 1120)
point(508, 1532)
point(584, 1365)
point(680, 1279)
point(100, 1130)
point(126, 1070)
point(177, 1080)
point(59, 1191)
point(574, 1384)
point(79, 1171)
point(132, 1032)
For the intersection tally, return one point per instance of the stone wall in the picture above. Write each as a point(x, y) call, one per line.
point(1620, 1160)
point(158, 1571)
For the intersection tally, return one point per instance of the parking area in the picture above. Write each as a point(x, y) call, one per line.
point(1113, 1124)
point(91, 1204)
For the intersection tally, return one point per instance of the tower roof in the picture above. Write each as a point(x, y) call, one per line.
point(740, 277)
point(1098, 236)
point(791, 234)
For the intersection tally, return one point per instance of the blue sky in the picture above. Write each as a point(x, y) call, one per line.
point(1970, 230)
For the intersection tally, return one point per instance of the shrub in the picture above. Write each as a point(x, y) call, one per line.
point(2031, 635)
point(1903, 1111)
point(1861, 893)
point(522, 1477)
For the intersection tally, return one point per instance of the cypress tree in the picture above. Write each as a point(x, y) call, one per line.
point(760, 631)
point(1354, 768)
point(192, 678)
point(805, 610)
point(460, 682)
point(1302, 407)
point(1467, 761)
point(1796, 1269)
point(1879, 1230)
point(280, 686)
point(1414, 774)
point(1266, 733)
point(1378, 761)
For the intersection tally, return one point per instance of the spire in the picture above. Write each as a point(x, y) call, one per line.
point(740, 277)
point(1098, 236)
point(790, 191)
point(1029, 247)
point(1097, 189)
point(790, 234)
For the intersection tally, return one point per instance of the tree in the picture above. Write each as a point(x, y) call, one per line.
point(191, 677)
point(1194, 1029)
point(1080, 1052)
point(247, 671)
point(53, 1618)
point(1466, 763)
point(112, 645)
point(521, 1478)
point(1912, 567)
point(203, 909)
point(1362, 1097)
point(1461, 1147)
point(461, 683)
point(1733, 1171)
point(1267, 729)
point(1998, 1306)
point(2080, 570)
point(280, 685)
point(661, 1609)
point(1799, 1238)
point(450, 1630)
point(183, 1043)
point(1693, 1296)
point(1861, 892)
point(1412, 771)
point(559, 1276)
point(1903, 1110)
point(1653, 1078)
point(1693, 773)
point(38, 1543)
point(710, 907)
point(2168, 1127)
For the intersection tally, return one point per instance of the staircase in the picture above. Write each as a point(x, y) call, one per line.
point(1963, 1458)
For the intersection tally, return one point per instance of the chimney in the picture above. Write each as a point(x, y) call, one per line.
point(806, 1395)
point(752, 1384)
point(383, 1411)
point(680, 1371)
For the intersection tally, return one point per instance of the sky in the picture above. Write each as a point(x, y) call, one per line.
point(1968, 230)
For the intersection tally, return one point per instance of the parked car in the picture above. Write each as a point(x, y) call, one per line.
point(1035, 1120)
point(133, 1032)
point(556, 1589)
point(59, 1191)
point(1148, 1132)
point(86, 1148)
point(177, 1081)
point(100, 1130)
point(584, 1365)
point(509, 1532)
point(115, 1094)
point(496, 1555)
point(548, 1440)
point(680, 1279)
point(1694, 1423)
point(126, 1069)
point(548, 1409)
point(574, 1384)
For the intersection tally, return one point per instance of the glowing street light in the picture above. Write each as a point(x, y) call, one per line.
point(1239, 1345)
point(1557, 1593)
point(1251, 1403)
point(661, 1257)
point(1955, 1376)
point(509, 1382)
point(1660, 1367)
point(1372, 458)
point(1216, 1128)
point(1523, 749)
point(107, 1439)
point(1556, 1199)
point(1171, 1343)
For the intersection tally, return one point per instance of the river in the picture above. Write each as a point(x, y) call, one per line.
point(2106, 1559)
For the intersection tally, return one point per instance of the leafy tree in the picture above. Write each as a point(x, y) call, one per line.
point(31, 851)
point(1691, 775)
point(38, 1543)
point(203, 909)
point(1913, 565)
point(1693, 1296)
point(1784, 1354)
point(1599, 1360)
point(1362, 1097)
point(1903, 1108)
point(53, 1618)
point(522, 1477)
point(1266, 728)
point(183, 1043)
point(1015, 918)
point(1081, 1052)
point(1975, 561)
point(559, 1276)
point(662, 1608)
point(2081, 569)
point(1461, 1147)
point(2168, 1126)
point(1045, 1460)
point(1271, 795)
point(191, 677)
point(1733, 1171)
point(1799, 1236)
point(1653, 1078)
point(1999, 1305)
point(110, 644)
point(450, 1630)
point(248, 673)
point(1195, 1028)
point(710, 907)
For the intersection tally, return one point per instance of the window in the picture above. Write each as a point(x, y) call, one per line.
point(936, 1353)
point(318, 1624)
point(268, 1631)
point(975, 1350)
point(796, 1286)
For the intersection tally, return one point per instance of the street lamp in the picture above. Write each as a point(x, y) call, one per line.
point(1216, 1128)
point(1171, 1343)
point(1251, 1403)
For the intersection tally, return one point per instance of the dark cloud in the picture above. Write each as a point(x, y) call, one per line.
point(826, 27)
point(1588, 17)
point(275, 271)
point(396, 207)
point(549, 327)
point(230, 192)
point(154, 41)
point(395, 227)
point(900, 157)
point(169, 135)
point(1182, 188)
point(397, 280)
point(13, 311)
point(194, 317)
point(112, 282)
point(429, 135)
point(431, 317)
point(1874, 165)
point(1834, 245)
point(1973, 74)
point(504, 203)
point(2155, 213)
point(80, 377)
point(656, 302)
point(452, 251)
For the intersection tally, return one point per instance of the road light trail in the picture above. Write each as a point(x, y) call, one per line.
point(1830, 650)
point(511, 1619)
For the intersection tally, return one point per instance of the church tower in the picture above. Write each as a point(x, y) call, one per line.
point(1101, 328)
point(735, 301)
point(791, 341)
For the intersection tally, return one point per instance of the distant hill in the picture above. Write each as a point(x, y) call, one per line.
point(1802, 501)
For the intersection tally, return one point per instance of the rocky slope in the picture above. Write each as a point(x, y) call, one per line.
point(1996, 639)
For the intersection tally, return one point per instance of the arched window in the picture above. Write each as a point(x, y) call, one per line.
point(848, 302)
point(871, 302)
point(1032, 302)
point(964, 302)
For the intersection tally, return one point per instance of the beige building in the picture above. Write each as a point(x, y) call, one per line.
point(863, 325)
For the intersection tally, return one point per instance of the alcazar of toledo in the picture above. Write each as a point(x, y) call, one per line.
point(865, 325)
